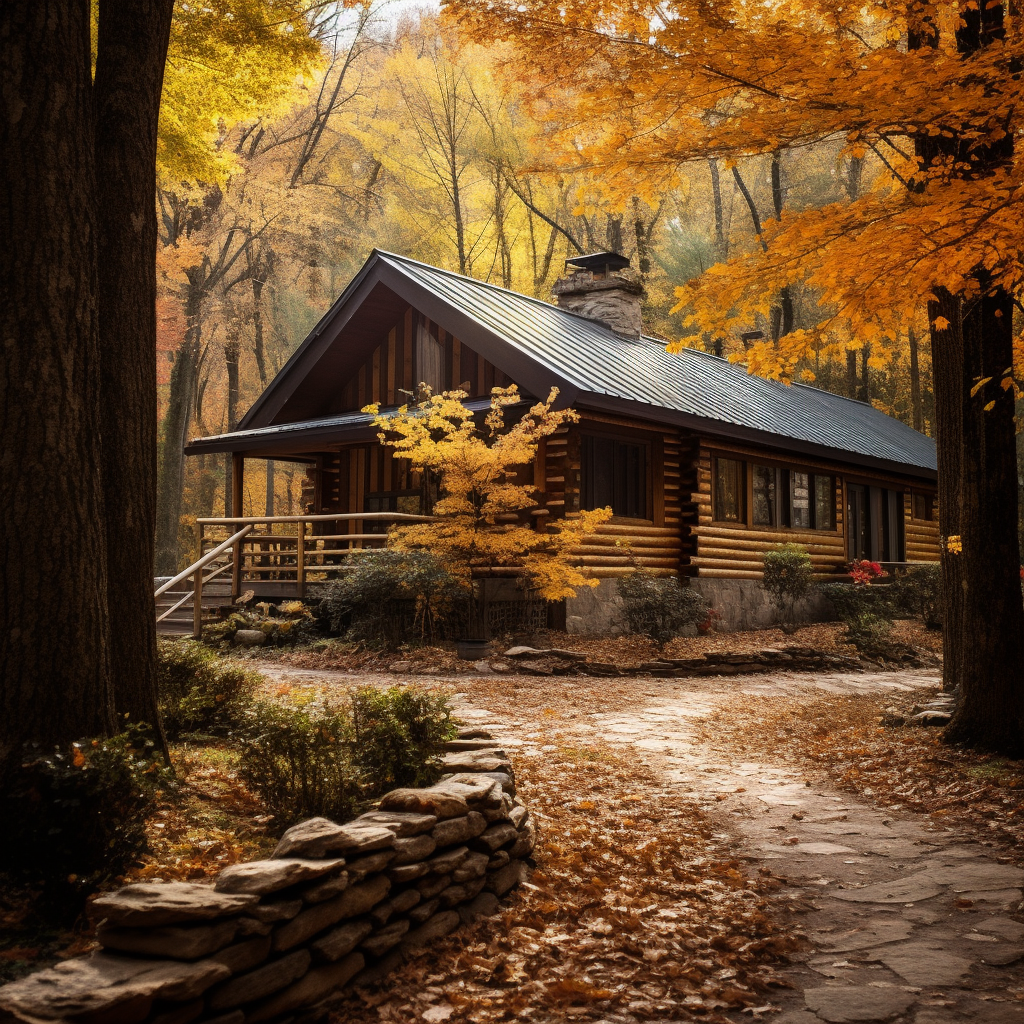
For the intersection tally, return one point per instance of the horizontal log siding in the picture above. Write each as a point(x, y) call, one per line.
point(661, 543)
point(735, 550)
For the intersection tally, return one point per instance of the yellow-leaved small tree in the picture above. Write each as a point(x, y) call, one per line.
point(481, 519)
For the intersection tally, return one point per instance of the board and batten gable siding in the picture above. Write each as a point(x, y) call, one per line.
point(390, 373)
point(729, 550)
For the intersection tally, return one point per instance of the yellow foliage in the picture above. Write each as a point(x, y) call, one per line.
point(479, 516)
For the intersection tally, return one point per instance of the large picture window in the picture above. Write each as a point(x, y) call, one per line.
point(614, 475)
point(778, 497)
point(730, 487)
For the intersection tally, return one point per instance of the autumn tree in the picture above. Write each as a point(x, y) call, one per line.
point(482, 516)
point(929, 91)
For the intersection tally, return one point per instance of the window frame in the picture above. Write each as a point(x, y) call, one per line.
point(741, 490)
point(929, 499)
point(639, 440)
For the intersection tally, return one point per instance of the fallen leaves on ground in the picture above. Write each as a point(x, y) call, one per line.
point(635, 911)
point(977, 796)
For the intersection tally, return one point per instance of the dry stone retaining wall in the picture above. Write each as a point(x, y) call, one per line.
point(277, 939)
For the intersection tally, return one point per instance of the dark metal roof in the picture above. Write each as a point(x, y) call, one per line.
point(599, 261)
point(597, 361)
point(540, 346)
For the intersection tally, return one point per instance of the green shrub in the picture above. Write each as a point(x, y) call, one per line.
point(76, 817)
point(387, 596)
point(787, 577)
point(659, 606)
point(198, 691)
point(869, 633)
point(849, 600)
point(918, 591)
point(399, 736)
point(299, 762)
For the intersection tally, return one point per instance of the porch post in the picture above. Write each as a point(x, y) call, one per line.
point(237, 475)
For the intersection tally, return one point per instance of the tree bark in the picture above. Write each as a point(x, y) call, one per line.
point(721, 246)
point(54, 627)
point(132, 50)
point(916, 406)
point(231, 351)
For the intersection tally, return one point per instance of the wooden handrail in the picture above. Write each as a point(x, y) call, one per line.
point(405, 517)
point(204, 561)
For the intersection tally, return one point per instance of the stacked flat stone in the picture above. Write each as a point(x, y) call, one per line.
point(278, 939)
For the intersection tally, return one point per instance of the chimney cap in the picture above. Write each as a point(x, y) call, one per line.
point(597, 261)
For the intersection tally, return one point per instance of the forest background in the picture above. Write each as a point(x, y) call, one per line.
point(399, 133)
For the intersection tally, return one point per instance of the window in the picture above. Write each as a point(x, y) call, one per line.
point(399, 501)
point(429, 359)
point(921, 506)
point(800, 500)
point(766, 509)
point(730, 484)
point(614, 474)
point(824, 502)
point(874, 523)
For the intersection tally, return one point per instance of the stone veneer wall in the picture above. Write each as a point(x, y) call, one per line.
point(335, 905)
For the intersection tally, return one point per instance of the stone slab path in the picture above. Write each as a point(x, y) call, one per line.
point(902, 923)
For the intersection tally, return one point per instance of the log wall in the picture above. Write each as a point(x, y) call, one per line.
point(733, 550)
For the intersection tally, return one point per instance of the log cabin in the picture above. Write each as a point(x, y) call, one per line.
point(704, 466)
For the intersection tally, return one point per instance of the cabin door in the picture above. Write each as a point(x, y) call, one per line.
point(858, 532)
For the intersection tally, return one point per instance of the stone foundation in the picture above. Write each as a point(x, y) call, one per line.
point(744, 605)
point(336, 905)
point(595, 611)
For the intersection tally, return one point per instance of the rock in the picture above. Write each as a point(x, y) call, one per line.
point(420, 913)
point(474, 866)
point(840, 1004)
point(518, 815)
point(261, 877)
point(499, 882)
point(319, 982)
point(415, 848)
point(250, 638)
point(448, 861)
point(357, 899)
point(483, 905)
point(182, 1014)
point(458, 830)
point(99, 983)
point(407, 873)
point(331, 887)
point(433, 928)
point(177, 942)
point(471, 732)
point(376, 973)
point(430, 887)
point(478, 788)
point(403, 823)
point(499, 860)
point(524, 845)
point(473, 761)
point(461, 744)
point(380, 942)
point(494, 837)
point(892, 718)
point(320, 837)
point(483, 667)
point(341, 941)
point(500, 666)
point(921, 964)
point(433, 800)
point(547, 652)
point(931, 718)
point(600, 668)
point(244, 956)
point(872, 933)
point(911, 889)
point(361, 867)
point(281, 910)
point(456, 894)
point(398, 904)
point(400, 666)
point(253, 926)
point(153, 904)
point(234, 1017)
point(264, 981)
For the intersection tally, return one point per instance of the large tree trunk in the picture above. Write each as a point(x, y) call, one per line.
point(987, 649)
point(132, 50)
point(54, 627)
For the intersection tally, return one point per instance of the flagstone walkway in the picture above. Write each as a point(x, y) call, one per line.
point(902, 922)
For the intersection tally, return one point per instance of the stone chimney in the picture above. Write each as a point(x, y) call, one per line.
point(603, 287)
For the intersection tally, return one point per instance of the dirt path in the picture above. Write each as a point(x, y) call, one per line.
point(902, 922)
